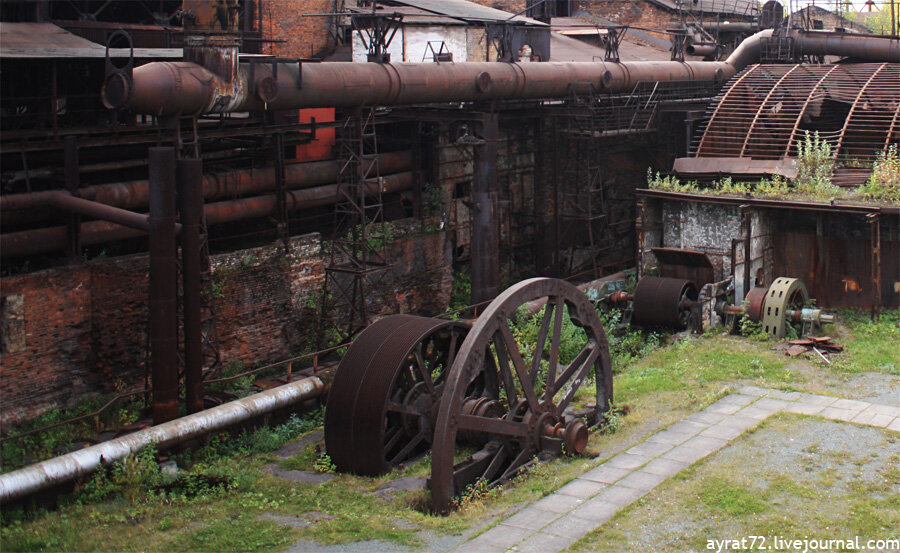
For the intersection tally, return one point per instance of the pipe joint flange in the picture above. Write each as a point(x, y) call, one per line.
point(483, 82)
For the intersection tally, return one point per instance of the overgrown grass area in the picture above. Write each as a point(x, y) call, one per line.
point(225, 497)
point(870, 345)
point(793, 477)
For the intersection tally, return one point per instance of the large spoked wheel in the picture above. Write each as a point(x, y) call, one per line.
point(383, 401)
point(525, 406)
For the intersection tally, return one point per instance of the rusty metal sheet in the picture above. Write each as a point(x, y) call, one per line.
point(690, 265)
point(736, 166)
point(836, 269)
point(467, 11)
point(45, 40)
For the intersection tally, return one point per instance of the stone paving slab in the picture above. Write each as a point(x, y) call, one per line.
point(555, 522)
point(558, 503)
point(581, 488)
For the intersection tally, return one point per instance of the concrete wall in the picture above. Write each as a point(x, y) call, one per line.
point(712, 229)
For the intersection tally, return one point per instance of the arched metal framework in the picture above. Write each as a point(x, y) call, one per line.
point(765, 110)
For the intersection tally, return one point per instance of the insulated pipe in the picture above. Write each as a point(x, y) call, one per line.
point(47, 474)
point(135, 194)
point(37, 241)
point(184, 88)
point(163, 313)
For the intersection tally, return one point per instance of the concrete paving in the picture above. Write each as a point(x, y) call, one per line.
point(557, 521)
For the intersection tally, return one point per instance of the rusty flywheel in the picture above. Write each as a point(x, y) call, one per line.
point(410, 383)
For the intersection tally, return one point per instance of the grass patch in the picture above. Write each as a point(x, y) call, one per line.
point(726, 497)
point(225, 500)
point(870, 346)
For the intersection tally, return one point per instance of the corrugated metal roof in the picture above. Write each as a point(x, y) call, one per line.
point(739, 7)
point(45, 40)
point(413, 16)
point(467, 11)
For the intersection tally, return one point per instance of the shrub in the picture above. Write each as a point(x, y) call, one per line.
point(815, 165)
point(884, 183)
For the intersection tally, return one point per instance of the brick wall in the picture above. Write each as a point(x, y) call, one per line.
point(304, 36)
point(49, 355)
point(72, 332)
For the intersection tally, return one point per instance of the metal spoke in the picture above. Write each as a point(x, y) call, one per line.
point(496, 463)
point(397, 431)
point(408, 448)
point(573, 366)
point(519, 365)
point(554, 344)
point(423, 369)
point(542, 336)
point(579, 379)
point(506, 375)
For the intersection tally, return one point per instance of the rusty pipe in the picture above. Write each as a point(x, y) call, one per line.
point(64, 200)
point(700, 49)
point(49, 239)
point(227, 184)
point(52, 472)
point(172, 88)
point(184, 88)
point(862, 47)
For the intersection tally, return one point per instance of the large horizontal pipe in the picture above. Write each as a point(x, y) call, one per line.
point(228, 184)
point(50, 239)
point(65, 468)
point(172, 88)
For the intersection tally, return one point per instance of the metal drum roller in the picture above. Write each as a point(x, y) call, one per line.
point(386, 391)
point(660, 301)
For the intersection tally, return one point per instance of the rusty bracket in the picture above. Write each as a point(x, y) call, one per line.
point(127, 68)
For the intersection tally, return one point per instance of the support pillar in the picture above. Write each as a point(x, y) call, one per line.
point(189, 179)
point(163, 316)
point(747, 231)
point(875, 227)
point(485, 235)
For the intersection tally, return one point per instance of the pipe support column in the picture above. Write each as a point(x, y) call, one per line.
point(163, 316)
point(485, 236)
point(189, 179)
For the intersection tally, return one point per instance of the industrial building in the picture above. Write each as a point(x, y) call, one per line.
point(192, 184)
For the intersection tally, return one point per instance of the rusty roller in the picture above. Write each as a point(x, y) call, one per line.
point(383, 401)
point(410, 383)
point(660, 301)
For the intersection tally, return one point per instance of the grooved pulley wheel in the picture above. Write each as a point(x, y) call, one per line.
point(386, 391)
